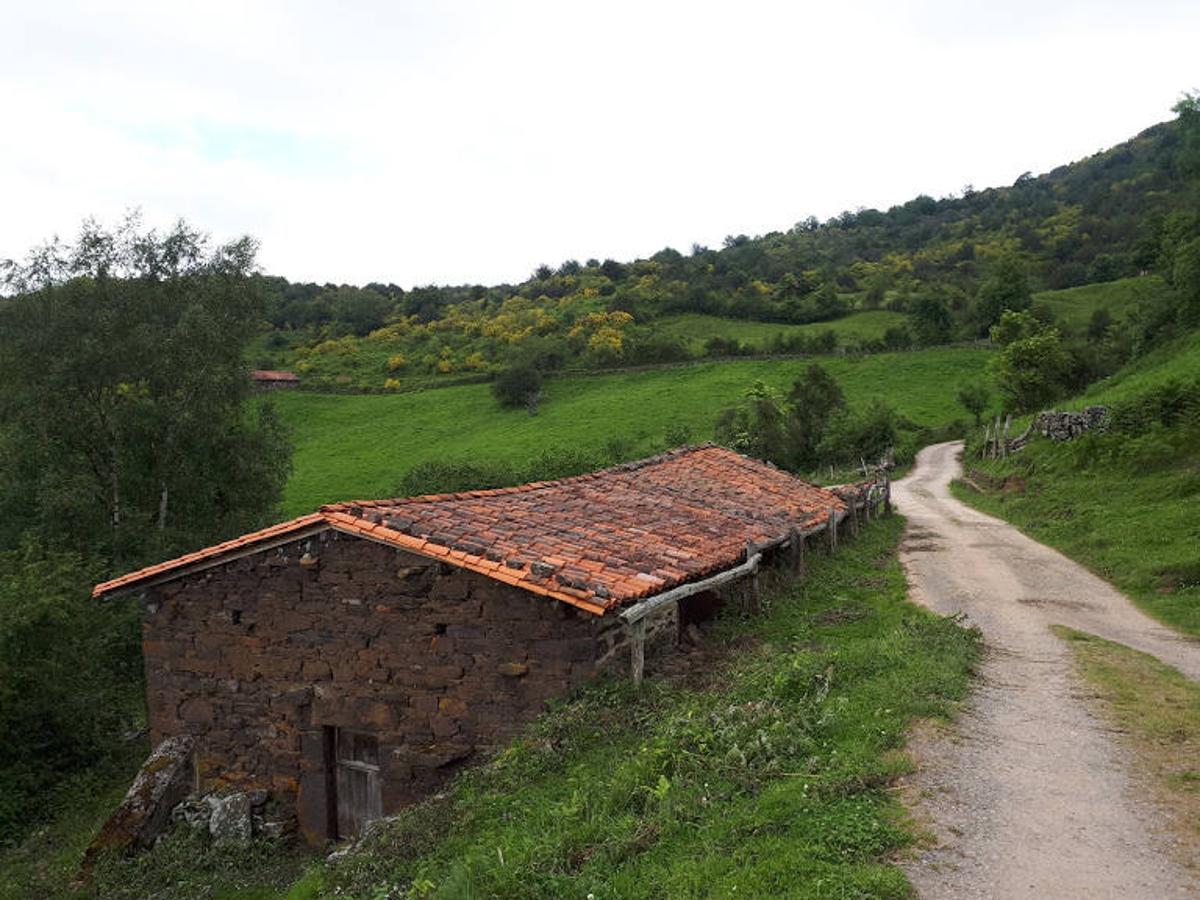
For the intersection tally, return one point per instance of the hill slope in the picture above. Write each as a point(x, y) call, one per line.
point(362, 445)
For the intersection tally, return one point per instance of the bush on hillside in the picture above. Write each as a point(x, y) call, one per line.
point(518, 386)
point(70, 677)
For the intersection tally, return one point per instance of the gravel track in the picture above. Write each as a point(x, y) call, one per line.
point(1028, 794)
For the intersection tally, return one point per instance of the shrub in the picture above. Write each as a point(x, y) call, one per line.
point(70, 676)
point(518, 386)
point(396, 362)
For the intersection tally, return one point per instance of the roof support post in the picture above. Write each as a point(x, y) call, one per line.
point(637, 650)
point(755, 587)
point(854, 516)
point(831, 527)
point(796, 550)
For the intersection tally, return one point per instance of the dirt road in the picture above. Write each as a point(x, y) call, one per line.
point(1028, 794)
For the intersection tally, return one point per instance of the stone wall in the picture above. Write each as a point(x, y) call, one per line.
point(259, 658)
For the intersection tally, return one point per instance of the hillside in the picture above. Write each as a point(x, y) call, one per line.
point(1114, 215)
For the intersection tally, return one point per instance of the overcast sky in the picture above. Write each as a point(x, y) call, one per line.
point(458, 142)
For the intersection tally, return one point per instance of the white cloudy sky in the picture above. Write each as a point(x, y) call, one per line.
point(469, 141)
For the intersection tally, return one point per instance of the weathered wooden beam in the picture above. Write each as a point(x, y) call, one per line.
point(831, 526)
point(637, 649)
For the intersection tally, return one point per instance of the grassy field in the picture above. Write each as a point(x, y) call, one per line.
point(1073, 307)
point(696, 329)
point(1176, 361)
point(357, 446)
point(1156, 713)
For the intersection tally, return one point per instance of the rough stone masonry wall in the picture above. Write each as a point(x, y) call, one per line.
point(258, 657)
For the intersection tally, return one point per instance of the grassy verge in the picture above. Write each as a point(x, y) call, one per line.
point(769, 776)
point(1124, 507)
point(362, 445)
point(1157, 713)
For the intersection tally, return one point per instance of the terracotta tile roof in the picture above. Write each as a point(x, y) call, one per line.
point(273, 375)
point(596, 541)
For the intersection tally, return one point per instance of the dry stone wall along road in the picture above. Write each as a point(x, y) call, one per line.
point(1028, 795)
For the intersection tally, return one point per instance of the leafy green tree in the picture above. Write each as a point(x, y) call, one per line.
point(929, 318)
point(1032, 368)
point(975, 398)
point(1006, 287)
point(124, 422)
point(758, 426)
point(1186, 279)
point(70, 676)
point(519, 385)
point(814, 398)
point(1187, 155)
point(860, 434)
point(898, 337)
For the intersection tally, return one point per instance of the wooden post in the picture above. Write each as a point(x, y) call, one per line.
point(854, 516)
point(755, 586)
point(1004, 448)
point(996, 438)
point(831, 527)
point(887, 492)
point(796, 550)
point(637, 649)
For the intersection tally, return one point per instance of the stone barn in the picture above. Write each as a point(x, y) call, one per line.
point(346, 662)
point(273, 380)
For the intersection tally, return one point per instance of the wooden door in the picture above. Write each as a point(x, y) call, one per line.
point(359, 792)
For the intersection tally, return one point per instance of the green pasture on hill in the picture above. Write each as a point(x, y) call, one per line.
point(360, 446)
point(1073, 307)
point(696, 328)
point(1177, 361)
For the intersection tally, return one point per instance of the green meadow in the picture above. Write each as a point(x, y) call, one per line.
point(1073, 307)
point(359, 446)
point(696, 328)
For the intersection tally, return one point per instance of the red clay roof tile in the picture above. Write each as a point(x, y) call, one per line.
point(622, 533)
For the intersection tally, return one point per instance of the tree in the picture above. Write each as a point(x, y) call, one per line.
point(757, 426)
point(1006, 287)
point(974, 399)
point(1031, 369)
point(1186, 279)
point(930, 320)
point(124, 422)
point(519, 385)
point(814, 398)
point(1187, 156)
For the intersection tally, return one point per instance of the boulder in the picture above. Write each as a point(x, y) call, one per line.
point(162, 782)
point(231, 821)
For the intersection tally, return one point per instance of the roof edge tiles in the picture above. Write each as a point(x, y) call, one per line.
point(595, 541)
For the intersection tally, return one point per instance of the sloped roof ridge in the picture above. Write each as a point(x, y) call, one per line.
point(675, 453)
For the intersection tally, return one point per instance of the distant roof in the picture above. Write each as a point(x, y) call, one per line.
point(596, 541)
point(273, 375)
